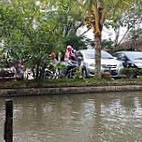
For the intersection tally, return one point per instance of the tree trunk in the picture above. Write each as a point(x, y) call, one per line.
point(98, 56)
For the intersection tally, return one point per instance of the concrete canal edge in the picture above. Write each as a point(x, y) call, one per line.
point(17, 92)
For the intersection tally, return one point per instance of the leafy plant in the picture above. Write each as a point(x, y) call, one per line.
point(140, 72)
point(129, 72)
point(78, 73)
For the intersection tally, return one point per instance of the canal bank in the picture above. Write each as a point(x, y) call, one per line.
point(62, 90)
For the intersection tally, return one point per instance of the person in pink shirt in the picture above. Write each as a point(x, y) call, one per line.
point(69, 54)
point(70, 58)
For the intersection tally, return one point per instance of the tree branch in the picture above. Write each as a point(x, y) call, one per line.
point(85, 31)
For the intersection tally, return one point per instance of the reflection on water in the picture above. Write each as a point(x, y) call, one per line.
point(109, 117)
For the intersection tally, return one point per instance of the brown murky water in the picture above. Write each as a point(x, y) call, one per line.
point(108, 117)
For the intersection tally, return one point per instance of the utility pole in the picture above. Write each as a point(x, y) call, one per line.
point(8, 126)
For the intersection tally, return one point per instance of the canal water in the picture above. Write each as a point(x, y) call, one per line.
point(107, 117)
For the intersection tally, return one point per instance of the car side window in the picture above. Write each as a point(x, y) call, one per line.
point(121, 57)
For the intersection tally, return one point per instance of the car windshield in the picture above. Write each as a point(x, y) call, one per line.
point(134, 55)
point(104, 55)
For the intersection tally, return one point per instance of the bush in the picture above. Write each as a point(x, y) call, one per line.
point(78, 74)
point(129, 72)
point(61, 66)
point(140, 72)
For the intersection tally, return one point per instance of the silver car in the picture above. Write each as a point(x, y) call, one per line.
point(108, 63)
point(129, 59)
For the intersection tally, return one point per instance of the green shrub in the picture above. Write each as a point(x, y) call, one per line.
point(78, 73)
point(129, 72)
point(140, 72)
point(61, 66)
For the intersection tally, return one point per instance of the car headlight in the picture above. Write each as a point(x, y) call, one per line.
point(104, 66)
point(138, 65)
point(131, 65)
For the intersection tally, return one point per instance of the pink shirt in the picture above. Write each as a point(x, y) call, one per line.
point(69, 52)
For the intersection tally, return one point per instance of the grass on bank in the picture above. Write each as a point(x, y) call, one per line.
point(70, 82)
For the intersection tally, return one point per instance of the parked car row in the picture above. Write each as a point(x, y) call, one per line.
point(109, 63)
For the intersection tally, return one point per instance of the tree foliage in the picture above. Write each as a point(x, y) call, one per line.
point(130, 20)
point(97, 12)
point(31, 30)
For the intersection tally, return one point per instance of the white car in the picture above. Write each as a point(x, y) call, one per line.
point(108, 63)
point(129, 59)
